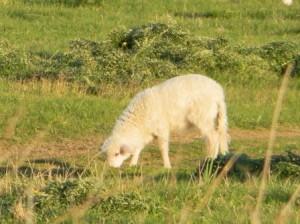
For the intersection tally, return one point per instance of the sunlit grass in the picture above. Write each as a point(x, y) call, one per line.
point(51, 26)
point(65, 110)
point(63, 123)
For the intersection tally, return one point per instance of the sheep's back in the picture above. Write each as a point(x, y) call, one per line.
point(175, 98)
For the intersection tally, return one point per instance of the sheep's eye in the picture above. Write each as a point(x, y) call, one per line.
point(117, 154)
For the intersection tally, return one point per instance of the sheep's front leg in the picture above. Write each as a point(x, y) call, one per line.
point(164, 147)
point(135, 158)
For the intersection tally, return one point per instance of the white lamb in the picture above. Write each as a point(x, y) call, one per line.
point(172, 106)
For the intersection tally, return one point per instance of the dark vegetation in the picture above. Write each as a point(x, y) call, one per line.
point(48, 202)
point(67, 3)
point(284, 166)
point(150, 52)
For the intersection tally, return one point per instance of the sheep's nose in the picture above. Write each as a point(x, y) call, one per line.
point(114, 164)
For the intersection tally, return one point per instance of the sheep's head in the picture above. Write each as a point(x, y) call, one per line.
point(116, 153)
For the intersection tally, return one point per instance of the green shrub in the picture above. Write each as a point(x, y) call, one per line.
point(7, 203)
point(116, 208)
point(149, 52)
point(12, 61)
point(57, 196)
point(279, 54)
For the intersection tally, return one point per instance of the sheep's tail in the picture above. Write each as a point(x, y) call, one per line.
point(222, 127)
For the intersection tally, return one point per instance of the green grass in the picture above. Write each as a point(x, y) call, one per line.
point(72, 114)
point(76, 116)
point(257, 110)
point(51, 26)
point(146, 52)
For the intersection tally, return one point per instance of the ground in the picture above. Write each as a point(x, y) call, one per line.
point(69, 68)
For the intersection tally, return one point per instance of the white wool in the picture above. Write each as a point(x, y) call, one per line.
point(172, 106)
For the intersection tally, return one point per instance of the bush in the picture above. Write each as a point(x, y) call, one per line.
point(118, 207)
point(279, 54)
point(50, 201)
point(58, 196)
point(12, 61)
point(149, 52)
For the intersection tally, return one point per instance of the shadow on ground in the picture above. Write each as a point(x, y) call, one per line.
point(158, 175)
point(51, 168)
point(285, 165)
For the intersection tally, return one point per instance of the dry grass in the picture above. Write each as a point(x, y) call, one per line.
point(62, 88)
point(9, 131)
point(255, 216)
point(184, 215)
point(285, 212)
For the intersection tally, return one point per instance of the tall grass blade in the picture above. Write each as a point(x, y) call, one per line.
point(255, 217)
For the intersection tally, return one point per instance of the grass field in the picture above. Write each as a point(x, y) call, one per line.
point(59, 100)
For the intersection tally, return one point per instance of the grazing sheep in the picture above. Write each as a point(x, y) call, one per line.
point(172, 106)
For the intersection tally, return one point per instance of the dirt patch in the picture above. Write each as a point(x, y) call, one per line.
point(67, 149)
point(263, 133)
point(88, 146)
point(237, 134)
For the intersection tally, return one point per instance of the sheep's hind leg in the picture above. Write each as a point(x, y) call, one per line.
point(212, 144)
point(207, 129)
point(164, 147)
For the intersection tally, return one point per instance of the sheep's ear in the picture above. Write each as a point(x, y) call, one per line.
point(125, 149)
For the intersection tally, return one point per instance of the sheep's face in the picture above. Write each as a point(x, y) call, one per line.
point(116, 154)
point(116, 158)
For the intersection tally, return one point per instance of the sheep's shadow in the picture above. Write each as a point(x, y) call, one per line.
point(243, 166)
point(55, 168)
point(178, 176)
point(160, 175)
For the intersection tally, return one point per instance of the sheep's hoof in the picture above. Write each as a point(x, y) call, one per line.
point(167, 166)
